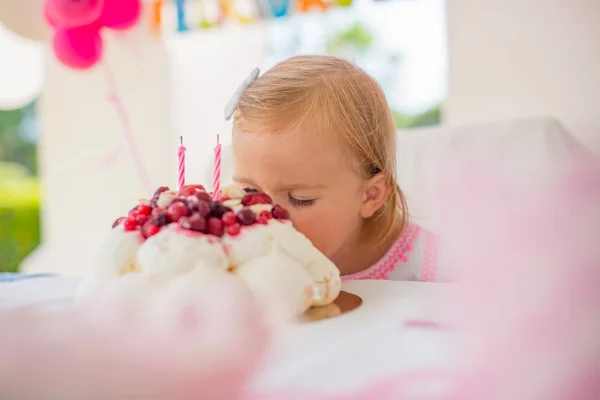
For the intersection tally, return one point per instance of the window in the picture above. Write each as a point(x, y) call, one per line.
point(401, 43)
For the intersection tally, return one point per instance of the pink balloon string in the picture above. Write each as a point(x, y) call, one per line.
point(111, 157)
point(115, 99)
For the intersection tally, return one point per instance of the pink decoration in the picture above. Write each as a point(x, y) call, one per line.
point(181, 155)
point(430, 258)
point(217, 171)
point(397, 253)
point(121, 14)
point(78, 48)
point(77, 41)
point(48, 15)
point(127, 129)
point(73, 13)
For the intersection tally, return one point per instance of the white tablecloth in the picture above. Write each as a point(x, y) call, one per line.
point(380, 339)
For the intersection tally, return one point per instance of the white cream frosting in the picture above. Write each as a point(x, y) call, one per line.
point(233, 192)
point(116, 255)
point(291, 247)
point(278, 280)
point(252, 241)
point(165, 198)
point(173, 251)
point(325, 275)
point(234, 204)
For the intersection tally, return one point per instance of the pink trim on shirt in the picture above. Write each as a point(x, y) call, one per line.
point(397, 253)
point(430, 258)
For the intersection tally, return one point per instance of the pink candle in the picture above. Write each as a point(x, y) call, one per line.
point(181, 154)
point(217, 171)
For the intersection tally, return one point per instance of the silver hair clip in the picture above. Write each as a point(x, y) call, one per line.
point(237, 95)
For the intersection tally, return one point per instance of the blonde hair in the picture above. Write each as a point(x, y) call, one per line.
point(331, 96)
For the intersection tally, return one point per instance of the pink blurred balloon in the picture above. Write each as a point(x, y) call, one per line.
point(121, 14)
point(78, 48)
point(73, 13)
point(50, 18)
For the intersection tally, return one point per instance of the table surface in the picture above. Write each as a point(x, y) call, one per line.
point(399, 328)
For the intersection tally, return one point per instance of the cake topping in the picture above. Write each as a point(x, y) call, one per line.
point(256, 198)
point(149, 230)
point(161, 219)
point(144, 209)
point(196, 223)
point(118, 221)
point(177, 209)
point(193, 209)
point(141, 219)
point(215, 227)
point(264, 217)
point(279, 212)
point(202, 195)
point(246, 216)
point(234, 229)
point(201, 207)
point(217, 209)
point(190, 190)
point(229, 218)
point(156, 194)
point(165, 198)
point(233, 192)
point(233, 203)
point(130, 224)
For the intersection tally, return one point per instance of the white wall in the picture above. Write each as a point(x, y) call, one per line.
point(517, 58)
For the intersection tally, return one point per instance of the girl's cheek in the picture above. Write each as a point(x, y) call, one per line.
point(307, 222)
point(318, 228)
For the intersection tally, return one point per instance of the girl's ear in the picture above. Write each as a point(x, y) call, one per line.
point(376, 191)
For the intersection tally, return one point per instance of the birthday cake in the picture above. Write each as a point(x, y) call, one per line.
point(180, 242)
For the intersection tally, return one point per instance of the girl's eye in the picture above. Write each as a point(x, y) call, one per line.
point(298, 203)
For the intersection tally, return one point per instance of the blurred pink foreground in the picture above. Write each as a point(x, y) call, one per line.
point(528, 257)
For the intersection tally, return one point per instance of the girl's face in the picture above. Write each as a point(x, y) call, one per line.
point(311, 178)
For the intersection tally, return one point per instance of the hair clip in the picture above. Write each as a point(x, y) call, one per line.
point(237, 95)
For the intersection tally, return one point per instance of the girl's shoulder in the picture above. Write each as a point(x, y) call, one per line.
point(413, 257)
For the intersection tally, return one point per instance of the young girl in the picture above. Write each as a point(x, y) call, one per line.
point(317, 135)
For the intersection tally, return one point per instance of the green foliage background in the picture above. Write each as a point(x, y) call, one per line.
point(358, 39)
point(19, 190)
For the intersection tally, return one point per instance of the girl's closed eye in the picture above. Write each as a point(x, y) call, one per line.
point(300, 203)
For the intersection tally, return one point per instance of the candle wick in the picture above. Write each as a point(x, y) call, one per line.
point(181, 141)
point(218, 139)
